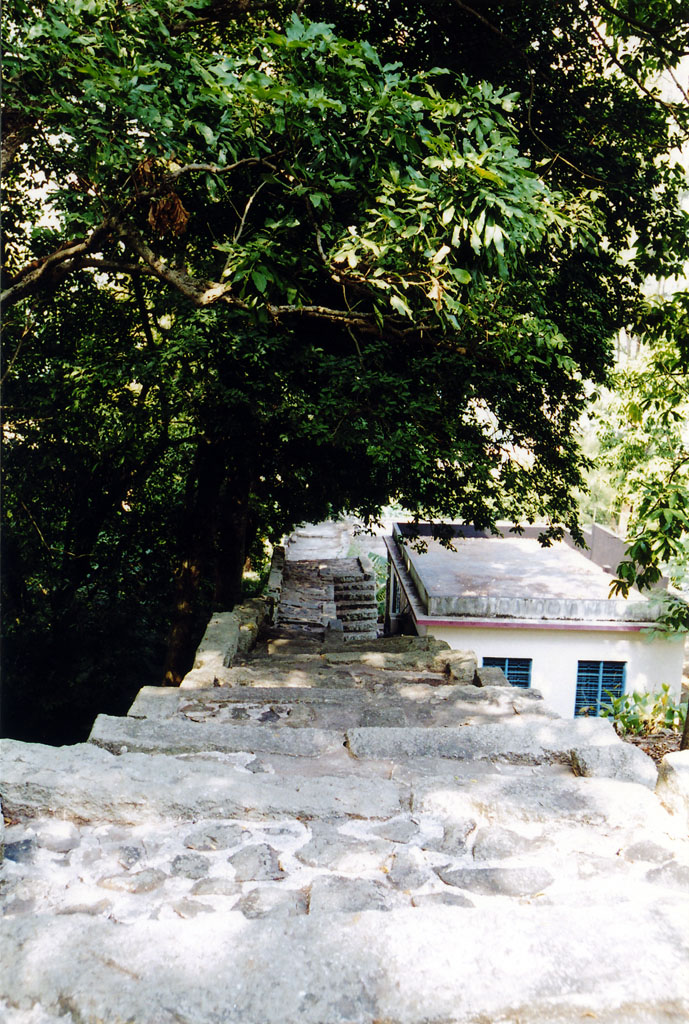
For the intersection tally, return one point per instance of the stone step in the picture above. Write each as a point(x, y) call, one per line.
point(354, 588)
point(312, 670)
point(360, 614)
point(590, 745)
point(355, 606)
point(355, 599)
point(87, 783)
point(338, 708)
point(405, 966)
point(359, 623)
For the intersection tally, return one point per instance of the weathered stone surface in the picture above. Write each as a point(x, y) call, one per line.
point(274, 902)
point(673, 784)
point(622, 761)
point(91, 909)
point(84, 782)
point(187, 908)
point(648, 851)
point(542, 798)
point(489, 675)
point(23, 852)
point(58, 836)
point(409, 870)
point(460, 666)
point(447, 898)
point(320, 897)
point(250, 615)
point(259, 862)
point(527, 881)
point(219, 643)
point(526, 741)
point(216, 836)
point(365, 967)
point(330, 849)
point(455, 837)
point(674, 875)
point(181, 737)
point(190, 865)
point(496, 843)
point(215, 887)
point(401, 831)
point(128, 856)
point(339, 894)
point(145, 880)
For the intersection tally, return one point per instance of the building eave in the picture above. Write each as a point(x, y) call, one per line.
point(422, 619)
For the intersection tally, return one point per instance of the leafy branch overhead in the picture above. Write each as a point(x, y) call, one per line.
point(432, 208)
point(645, 447)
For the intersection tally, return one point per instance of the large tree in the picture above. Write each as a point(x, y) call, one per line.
point(336, 273)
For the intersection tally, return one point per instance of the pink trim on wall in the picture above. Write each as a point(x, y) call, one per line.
point(563, 624)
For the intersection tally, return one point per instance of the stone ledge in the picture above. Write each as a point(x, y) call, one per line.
point(227, 635)
point(364, 966)
point(85, 783)
point(180, 736)
point(590, 746)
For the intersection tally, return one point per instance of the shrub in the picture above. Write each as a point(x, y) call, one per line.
point(645, 713)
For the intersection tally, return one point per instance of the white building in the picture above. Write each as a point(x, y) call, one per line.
point(543, 615)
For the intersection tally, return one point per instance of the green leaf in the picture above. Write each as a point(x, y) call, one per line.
point(400, 306)
point(259, 280)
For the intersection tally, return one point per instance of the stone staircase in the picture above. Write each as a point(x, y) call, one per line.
point(334, 593)
point(343, 831)
point(354, 583)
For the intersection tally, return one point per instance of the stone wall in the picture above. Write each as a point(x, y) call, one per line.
point(229, 634)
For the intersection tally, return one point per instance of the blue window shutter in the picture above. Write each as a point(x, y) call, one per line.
point(596, 682)
point(517, 670)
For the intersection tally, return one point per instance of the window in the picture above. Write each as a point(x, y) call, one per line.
point(595, 681)
point(517, 670)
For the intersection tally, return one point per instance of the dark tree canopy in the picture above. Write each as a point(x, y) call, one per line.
point(265, 264)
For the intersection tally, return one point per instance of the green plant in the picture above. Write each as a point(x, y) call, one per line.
point(380, 567)
point(645, 713)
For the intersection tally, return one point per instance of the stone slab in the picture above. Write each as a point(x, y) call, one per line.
point(392, 703)
point(618, 762)
point(87, 783)
point(535, 796)
point(524, 741)
point(403, 966)
point(180, 736)
point(219, 643)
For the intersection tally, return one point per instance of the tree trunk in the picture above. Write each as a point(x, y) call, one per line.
point(232, 543)
point(190, 604)
point(684, 742)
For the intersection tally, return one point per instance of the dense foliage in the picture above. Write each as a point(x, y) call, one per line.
point(259, 268)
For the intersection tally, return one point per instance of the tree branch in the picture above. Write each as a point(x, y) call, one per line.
point(632, 78)
point(17, 350)
point(169, 177)
point(55, 267)
point(639, 28)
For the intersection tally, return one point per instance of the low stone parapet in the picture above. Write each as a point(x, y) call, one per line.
point(229, 634)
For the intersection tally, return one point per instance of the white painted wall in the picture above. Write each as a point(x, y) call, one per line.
point(555, 654)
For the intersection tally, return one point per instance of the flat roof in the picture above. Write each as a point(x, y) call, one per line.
point(517, 578)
